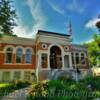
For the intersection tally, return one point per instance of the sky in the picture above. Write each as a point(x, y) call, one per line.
point(55, 16)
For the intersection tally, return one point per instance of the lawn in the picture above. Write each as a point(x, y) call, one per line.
point(4, 84)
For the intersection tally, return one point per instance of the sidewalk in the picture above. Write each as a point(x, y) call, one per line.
point(17, 95)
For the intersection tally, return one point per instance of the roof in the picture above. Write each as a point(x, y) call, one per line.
point(79, 45)
point(17, 40)
point(52, 33)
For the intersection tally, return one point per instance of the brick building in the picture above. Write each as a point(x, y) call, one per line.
point(49, 53)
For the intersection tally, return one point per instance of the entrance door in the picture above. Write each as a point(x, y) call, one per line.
point(55, 58)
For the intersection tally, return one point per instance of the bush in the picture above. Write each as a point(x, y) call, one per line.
point(21, 84)
point(59, 90)
point(38, 91)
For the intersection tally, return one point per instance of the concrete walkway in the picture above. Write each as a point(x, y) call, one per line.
point(17, 95)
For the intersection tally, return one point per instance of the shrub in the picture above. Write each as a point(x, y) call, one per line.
point(6, 89)
point(38, 91)
point(21, 84)
point(69, 90)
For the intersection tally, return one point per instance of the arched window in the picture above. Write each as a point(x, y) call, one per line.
point(28, 56)
point(8, 55)
point(19, 53)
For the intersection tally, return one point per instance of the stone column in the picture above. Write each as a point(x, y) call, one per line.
point(63, 61)
point(1, 73)
point(74, 59)
point(48, 61)
point(70, 60)
point(22, 75)
point(12, 75)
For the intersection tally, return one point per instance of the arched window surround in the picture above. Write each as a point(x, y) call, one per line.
point(8, 57)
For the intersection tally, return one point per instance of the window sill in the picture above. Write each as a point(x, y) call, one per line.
point(16, 64)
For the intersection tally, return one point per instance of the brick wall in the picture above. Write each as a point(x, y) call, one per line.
point(13, 65)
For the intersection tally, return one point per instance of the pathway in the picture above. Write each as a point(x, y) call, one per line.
point(17, 94)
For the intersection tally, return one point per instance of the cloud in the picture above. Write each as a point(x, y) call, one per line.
point(56, 7)
point(75, 6)
point(62, 6)
point(92, 23)
point(37, 14)
point(38, 18)
point(89, 41)
point(21, 31)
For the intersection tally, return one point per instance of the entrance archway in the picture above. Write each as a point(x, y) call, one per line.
point(55, 57)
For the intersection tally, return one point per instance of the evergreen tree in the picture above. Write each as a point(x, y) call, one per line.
point(7, 17)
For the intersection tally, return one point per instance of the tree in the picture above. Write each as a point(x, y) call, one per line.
point(7, 17)
point(94, 50)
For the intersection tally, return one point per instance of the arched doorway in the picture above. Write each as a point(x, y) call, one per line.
point(55, 58)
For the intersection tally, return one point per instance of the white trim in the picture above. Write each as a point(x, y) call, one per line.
point(17, 64)
point(13, 71)
point(55, 44)
point(44, 46)
point(62, 53)
point(1, 70)
point(23, 49)
point(30, 49)
point(5, 53)
point(9, 46)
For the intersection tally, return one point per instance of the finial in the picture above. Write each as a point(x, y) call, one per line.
point(70, 28)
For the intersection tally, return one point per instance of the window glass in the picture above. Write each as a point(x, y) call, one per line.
point(82, 58)
point(66, 61)
point(19, 55)
point(44, 60)
point(17, 75)
point(8, 55)
point(77, 58)
point(72, 54)
point(28, 56)
point(6, 76)
point(27, 75)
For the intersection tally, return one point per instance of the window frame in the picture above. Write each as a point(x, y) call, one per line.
point(5, 56)
point(21, 56)
point(29, 54)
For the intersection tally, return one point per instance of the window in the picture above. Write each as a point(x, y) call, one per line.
point(6, 76)
point(72, 55)
point(27, 75)
point(44, 60)
point(28, 56)
point(8, 55)
point(17, 75)
point(82, 58)
point(19, 55)
point(77, 58)
point(66, 61)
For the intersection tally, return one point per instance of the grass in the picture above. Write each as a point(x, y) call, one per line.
point(4, 84)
